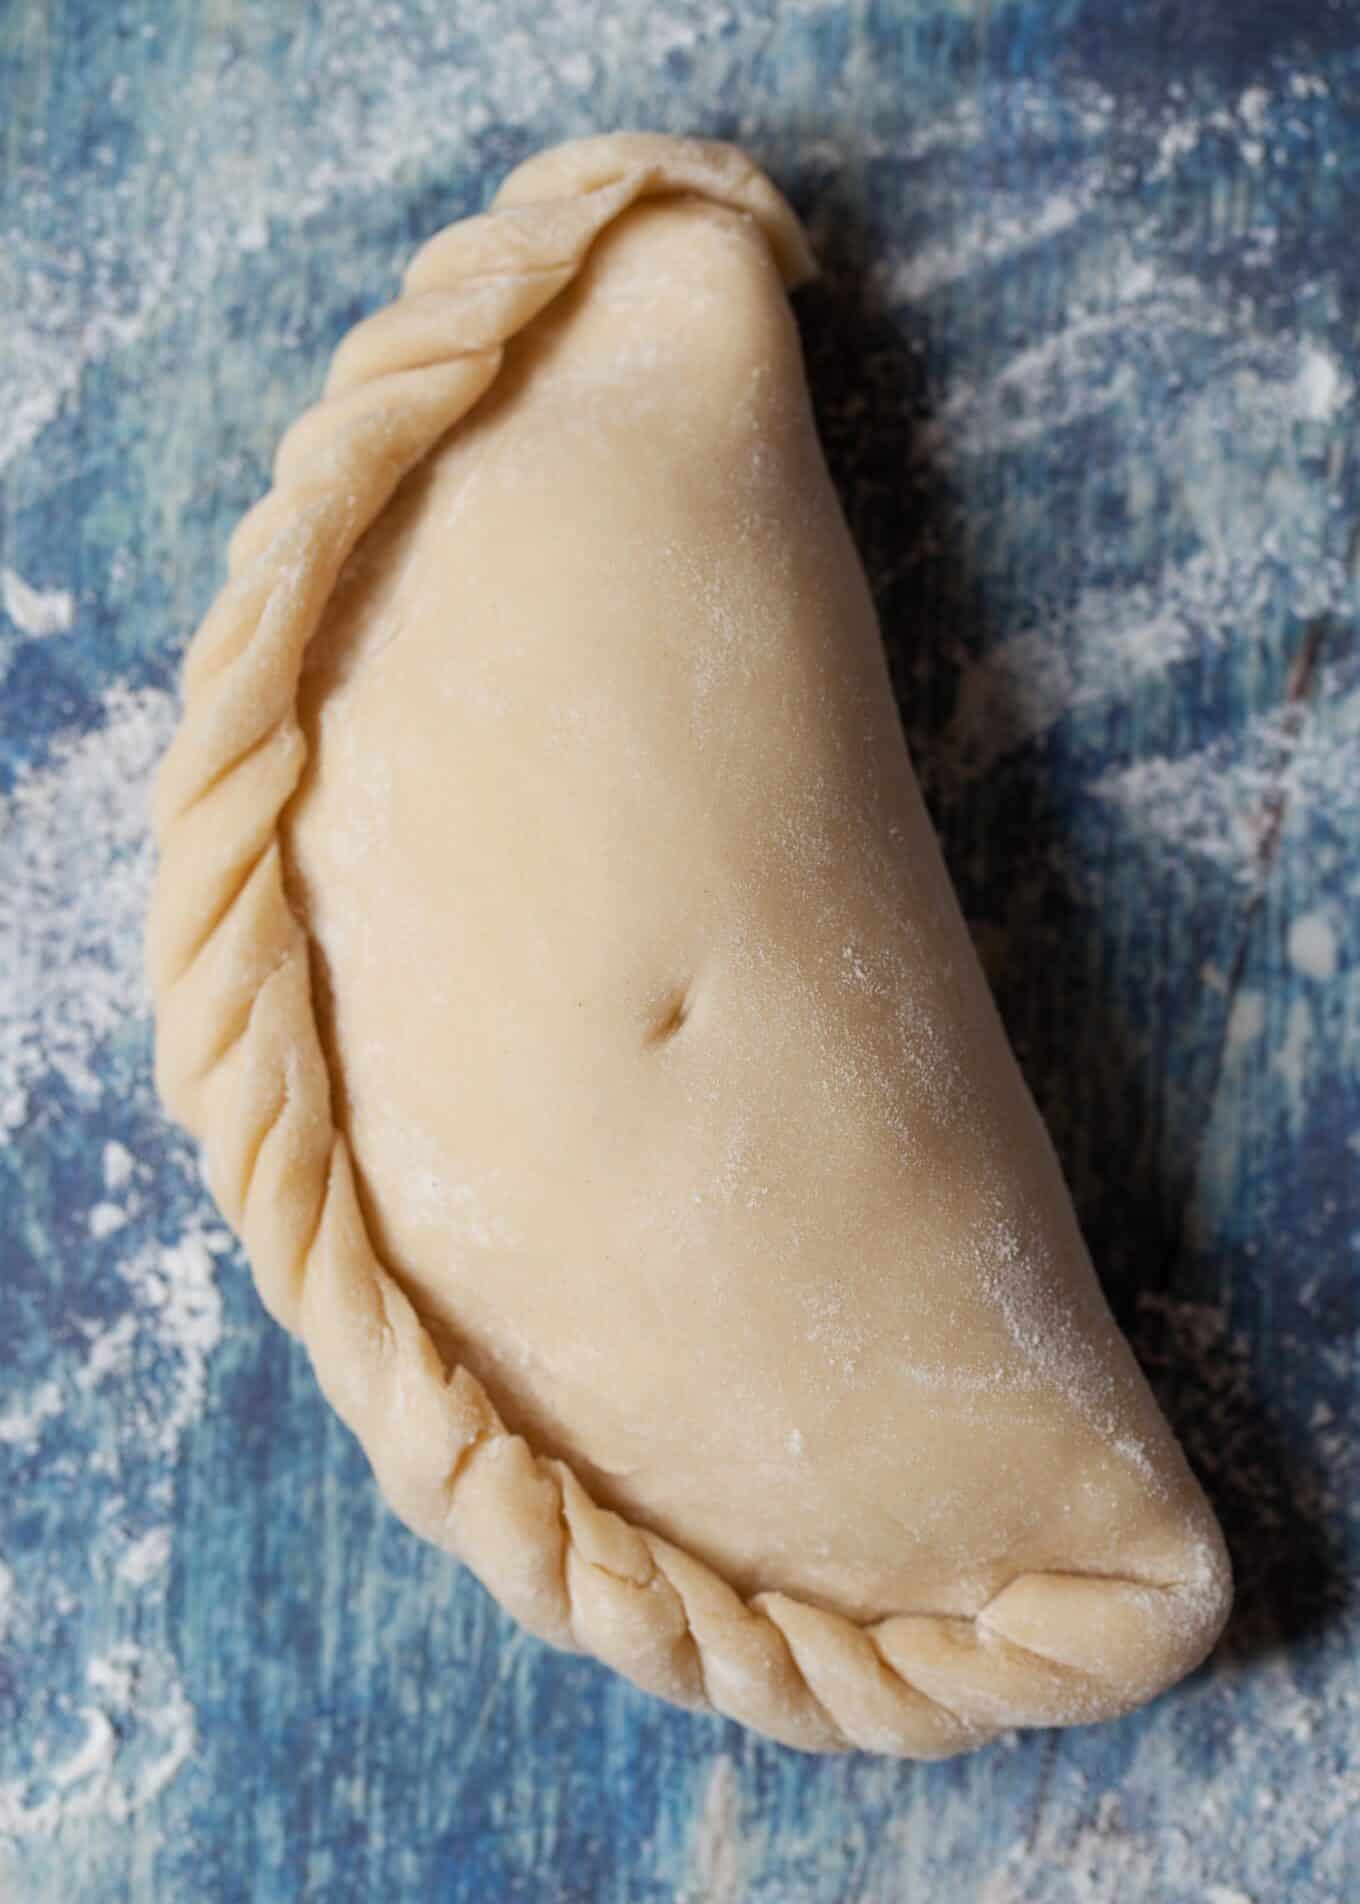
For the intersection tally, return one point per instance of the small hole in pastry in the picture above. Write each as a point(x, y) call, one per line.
point(671, 1017)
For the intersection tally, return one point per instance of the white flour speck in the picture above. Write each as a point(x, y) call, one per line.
point(1246, 1020)
point(105, 1218)
point(1292, 1060)
point(22, 1423)
point(146, 1557)
point(110, 1353)
point(1253, 108)
point(36, 612)
point(118, 1162)
point(1312, 946)
point(1321, 387)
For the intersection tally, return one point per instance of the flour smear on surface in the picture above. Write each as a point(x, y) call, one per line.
point(104, 1403)
point(35, 612)
point(75, 870)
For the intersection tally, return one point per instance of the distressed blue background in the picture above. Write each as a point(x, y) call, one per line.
point(1085, 356)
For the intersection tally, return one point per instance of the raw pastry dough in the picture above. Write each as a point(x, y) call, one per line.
point(561, 973)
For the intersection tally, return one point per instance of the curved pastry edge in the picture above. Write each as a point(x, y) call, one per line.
point(239, 1061)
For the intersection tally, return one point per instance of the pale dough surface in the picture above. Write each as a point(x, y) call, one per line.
point(677, 1102)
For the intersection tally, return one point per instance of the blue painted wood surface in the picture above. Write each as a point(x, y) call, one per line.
point(1085, 358)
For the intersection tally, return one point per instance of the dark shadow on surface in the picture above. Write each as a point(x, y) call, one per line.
point(1006, 839)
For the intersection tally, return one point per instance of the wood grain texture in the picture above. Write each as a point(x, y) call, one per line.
point(1084, 354)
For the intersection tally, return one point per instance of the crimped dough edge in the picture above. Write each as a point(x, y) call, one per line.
point(239, 1061)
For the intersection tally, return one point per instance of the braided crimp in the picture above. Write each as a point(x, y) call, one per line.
point(239, 1061)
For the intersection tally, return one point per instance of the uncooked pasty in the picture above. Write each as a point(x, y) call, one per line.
point(552, 952)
